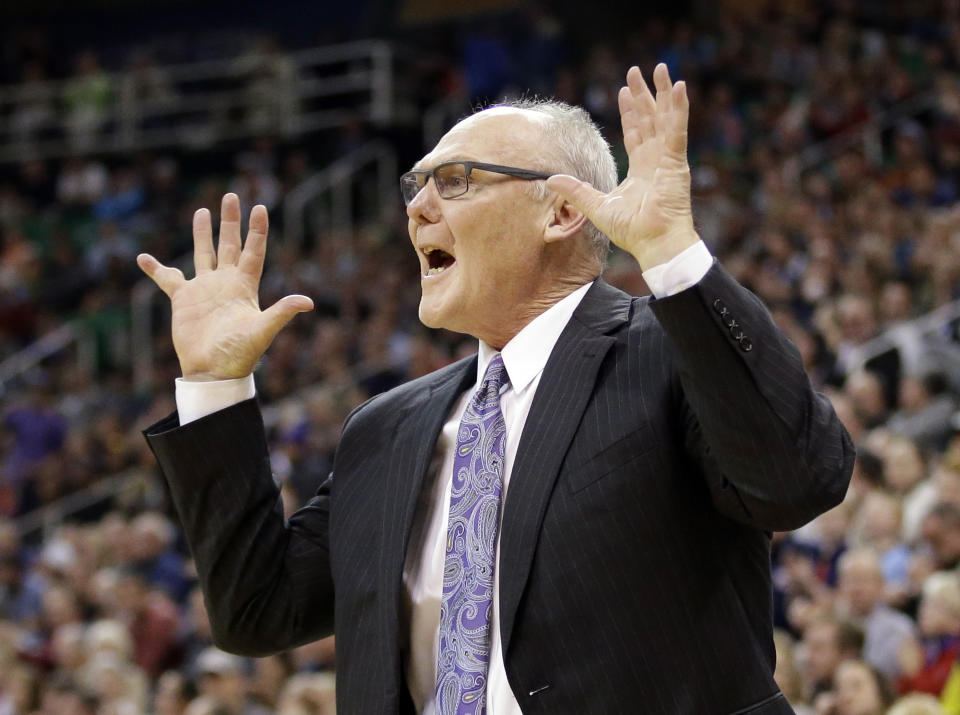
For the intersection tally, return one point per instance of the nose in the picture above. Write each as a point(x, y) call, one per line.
point(425, 207)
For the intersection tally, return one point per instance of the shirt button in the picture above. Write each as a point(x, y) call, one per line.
point(745, 344)
point(719, 306)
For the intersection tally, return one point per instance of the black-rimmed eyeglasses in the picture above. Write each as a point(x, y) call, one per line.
point(452, 178)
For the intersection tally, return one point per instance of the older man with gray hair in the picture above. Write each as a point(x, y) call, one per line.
point(576, 519)
point(886, 630)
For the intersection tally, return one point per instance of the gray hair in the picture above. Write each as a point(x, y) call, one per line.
point(574, 146)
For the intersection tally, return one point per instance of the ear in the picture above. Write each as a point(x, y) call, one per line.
point(563, 221)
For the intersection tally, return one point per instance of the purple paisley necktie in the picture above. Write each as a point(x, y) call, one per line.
point(467, 606)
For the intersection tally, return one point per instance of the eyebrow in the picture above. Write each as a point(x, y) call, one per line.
point(419, 165)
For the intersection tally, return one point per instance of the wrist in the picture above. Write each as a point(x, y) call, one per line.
point(663, 249)
point(209, 377)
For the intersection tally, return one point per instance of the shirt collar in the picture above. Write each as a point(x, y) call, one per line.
point(526, 354)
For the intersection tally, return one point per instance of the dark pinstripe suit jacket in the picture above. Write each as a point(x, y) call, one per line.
point(666, 437)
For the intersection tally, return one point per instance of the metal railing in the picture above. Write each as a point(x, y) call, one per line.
point(72, 334)
point(930, 342)
point(133, 481)
point(198, 104)
point(50, 516)
point(321, 203)
point(939, 324)
point(325, 202)
point(865, 137)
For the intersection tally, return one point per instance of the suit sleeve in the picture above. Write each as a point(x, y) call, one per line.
point(772, 450)
point(266, 581)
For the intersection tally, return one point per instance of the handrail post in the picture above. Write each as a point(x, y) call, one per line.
point(141, 331)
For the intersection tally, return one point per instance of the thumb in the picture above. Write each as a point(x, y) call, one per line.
point(579, 193)
point(280, 313)
point(167, 279)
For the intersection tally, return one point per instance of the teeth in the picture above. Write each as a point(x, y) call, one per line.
point(435, 271)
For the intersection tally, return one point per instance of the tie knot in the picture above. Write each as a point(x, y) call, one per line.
point(496, 376)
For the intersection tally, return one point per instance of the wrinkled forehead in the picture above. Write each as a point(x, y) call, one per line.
point(499, 135)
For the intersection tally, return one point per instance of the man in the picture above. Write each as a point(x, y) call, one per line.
point(828, 642)
point(584, 533)
point(885, 629)
point(941, 531)
point(221, 678)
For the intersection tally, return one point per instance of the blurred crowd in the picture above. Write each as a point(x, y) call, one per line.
point(848, 246)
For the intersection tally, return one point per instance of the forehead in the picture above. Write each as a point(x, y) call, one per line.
point(498, 135)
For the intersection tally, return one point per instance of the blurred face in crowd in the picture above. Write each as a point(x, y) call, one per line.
point(881, 519)
point(60, 607)
point(833, 524)
point(896, 302)
point(938, 617)
point(823, 652)
point(169, 697)
point(131, 595)
point(861, 581)
point(228, 687)
point(866, 395)
point(913, 394)
point(68, 646)
point(902, 464)
point(944, 540)
point(856, 690)
point(501, 264)
point(856, 319)
point(947, 481)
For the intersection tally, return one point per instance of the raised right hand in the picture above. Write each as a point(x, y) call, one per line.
point(219, 331)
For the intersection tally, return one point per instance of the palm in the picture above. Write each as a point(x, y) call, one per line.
point(212, 316)
point(649, 213)
point(219, 331)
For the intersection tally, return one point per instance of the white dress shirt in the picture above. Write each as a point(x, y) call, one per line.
point(524, 357)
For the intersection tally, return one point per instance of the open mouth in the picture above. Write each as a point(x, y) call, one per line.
point(438, 260)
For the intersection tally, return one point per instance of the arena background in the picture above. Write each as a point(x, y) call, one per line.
point(825, 146)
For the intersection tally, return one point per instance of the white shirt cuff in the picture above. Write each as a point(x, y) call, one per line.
point(197, 399)
point(680, 272)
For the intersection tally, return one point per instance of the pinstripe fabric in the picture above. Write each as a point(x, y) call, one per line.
point(634, 559)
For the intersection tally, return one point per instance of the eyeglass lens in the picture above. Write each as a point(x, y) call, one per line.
point(451, 181)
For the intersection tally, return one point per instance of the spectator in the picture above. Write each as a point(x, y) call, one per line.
point(173, 693)
point(309, 694)
point(941, 531)
point(828, 642)
point(926, 665)
point(87, 97)
point(152, 620)
point(221, 678)
point(925, 411)
point(153, 555)
point(861, 597)
point(19, 690)
point(861, 690)
point(37, 429)
point(81, 182)
point(916, 705)
point(34, 114)
point(879, 529)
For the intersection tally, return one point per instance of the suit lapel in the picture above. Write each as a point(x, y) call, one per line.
point(414, 444)
point(562, 395)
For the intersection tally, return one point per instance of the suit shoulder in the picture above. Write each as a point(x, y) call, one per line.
point(403, 396)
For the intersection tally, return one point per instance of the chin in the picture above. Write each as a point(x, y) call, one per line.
point(434, 314)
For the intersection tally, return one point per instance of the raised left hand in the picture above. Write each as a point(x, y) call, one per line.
point(648, 214)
